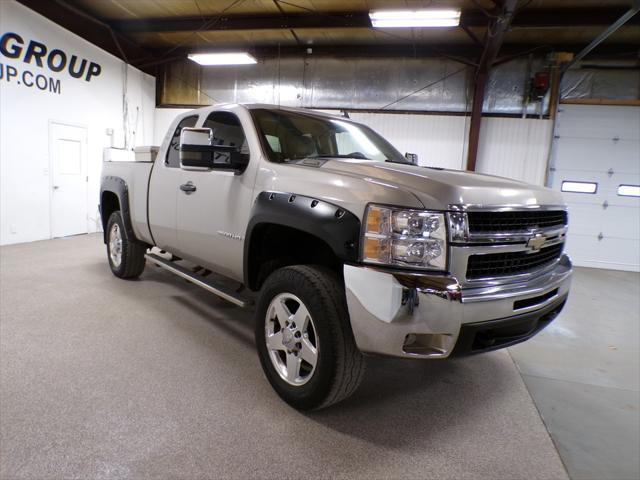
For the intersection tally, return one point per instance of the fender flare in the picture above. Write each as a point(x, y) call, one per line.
point(336, 226)
point(119, 187)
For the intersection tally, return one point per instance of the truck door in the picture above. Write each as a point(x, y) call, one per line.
point(212, 219)
point(163, 189)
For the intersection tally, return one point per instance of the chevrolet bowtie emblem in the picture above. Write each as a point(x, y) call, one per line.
point(537, 242)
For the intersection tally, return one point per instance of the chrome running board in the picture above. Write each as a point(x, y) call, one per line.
point(200, 281)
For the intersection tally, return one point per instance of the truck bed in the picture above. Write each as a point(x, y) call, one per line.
point(136, 175)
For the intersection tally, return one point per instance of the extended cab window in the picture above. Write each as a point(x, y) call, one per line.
point(227, 131)
point(173, 154)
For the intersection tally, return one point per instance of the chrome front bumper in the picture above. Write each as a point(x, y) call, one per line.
point(424, 316)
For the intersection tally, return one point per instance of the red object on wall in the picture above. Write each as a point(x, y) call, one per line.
point(541, 81)
point(540, 84)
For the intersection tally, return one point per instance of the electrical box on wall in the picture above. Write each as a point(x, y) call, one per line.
point(540, 85)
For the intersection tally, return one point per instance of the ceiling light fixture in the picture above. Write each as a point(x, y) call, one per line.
point(415, 18)
point(226, 58)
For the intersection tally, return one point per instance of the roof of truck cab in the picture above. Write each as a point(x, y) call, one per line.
point(255, 106)
point(266, 106)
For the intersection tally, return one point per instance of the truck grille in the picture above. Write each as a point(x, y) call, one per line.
point(515, 221)
point(511, 263)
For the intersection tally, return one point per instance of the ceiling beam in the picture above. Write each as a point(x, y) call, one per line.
point(528, 18)
point(510, 52)
point(244, 22)
point(115, 38)
point(629, 15)
point(567, 17)
point(86, 25)
point(335, 51)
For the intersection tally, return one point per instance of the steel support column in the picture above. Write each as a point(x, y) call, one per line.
point(498, 26)
point(476, 118)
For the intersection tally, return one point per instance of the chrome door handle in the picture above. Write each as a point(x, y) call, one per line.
point(56, 187)
point(188, 188)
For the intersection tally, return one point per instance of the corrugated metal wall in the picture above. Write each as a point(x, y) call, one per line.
point(390, 84)
point(515, 148)
point(406, 84)
point(438, 140)
point(509, 147)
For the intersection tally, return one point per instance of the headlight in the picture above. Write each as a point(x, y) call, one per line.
point(409, 238)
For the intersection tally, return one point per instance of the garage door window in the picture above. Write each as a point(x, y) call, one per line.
point(579, 187)
point(629, 190)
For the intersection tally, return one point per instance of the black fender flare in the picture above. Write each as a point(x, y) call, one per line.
point(119, 187)
point(336, 226)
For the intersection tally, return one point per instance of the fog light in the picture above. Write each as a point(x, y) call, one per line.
point(428, 344)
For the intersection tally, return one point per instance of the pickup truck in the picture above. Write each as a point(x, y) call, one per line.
point(342, 246)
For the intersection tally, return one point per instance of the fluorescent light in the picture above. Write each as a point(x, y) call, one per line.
point(415, 18)
point(579, 187)
point(227, 58)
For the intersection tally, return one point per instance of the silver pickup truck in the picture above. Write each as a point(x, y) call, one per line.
point(344, 246)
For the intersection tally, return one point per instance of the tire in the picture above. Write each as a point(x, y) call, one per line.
point(339, 365)
point(126, 257)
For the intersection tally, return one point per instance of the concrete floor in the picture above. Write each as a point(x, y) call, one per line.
point(105, 378)
point(583, 373)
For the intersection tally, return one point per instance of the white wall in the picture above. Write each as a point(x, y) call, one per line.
point(25, 114)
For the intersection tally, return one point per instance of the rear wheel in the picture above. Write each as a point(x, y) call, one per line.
point(304, 338)
point(126, 257)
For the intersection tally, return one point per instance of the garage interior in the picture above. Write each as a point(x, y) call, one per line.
point(156, 378)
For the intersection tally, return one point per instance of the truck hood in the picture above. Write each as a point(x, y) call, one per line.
point(439, 188)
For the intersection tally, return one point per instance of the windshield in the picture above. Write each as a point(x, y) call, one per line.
point(291, 136)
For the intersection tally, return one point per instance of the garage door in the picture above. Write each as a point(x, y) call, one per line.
point(597, 166)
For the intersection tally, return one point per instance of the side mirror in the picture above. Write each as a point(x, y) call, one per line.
point(197, 153)
point(412, 157)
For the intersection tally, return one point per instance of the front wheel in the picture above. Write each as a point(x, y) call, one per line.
point(126, 257)
point(304, 338)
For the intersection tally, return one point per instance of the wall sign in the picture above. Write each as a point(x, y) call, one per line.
point(32, 52)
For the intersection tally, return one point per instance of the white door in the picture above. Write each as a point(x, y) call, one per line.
point(68, 151)
point(597, 166)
